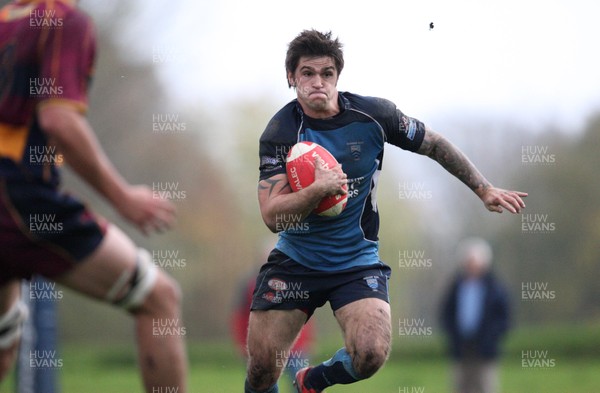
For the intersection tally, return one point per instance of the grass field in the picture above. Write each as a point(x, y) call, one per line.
point(572, 366)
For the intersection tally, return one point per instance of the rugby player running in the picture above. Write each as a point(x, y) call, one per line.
point(334, 259)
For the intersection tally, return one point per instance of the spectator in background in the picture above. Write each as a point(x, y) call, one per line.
point(475, 316)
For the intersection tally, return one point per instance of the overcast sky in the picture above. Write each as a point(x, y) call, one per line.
point(534, 62)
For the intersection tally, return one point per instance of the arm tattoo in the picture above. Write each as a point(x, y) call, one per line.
point(454, 161)
point(273, 183)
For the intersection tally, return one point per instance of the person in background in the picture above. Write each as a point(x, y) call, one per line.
point(475, 315)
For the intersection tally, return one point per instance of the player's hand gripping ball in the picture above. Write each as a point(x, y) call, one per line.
point(300, 169)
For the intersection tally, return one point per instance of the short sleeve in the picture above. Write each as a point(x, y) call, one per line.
point(273, 150)
point(406, 132)
point(67, 59)
point(277, 140)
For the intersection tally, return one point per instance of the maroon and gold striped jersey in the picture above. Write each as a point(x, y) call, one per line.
point(47, 51)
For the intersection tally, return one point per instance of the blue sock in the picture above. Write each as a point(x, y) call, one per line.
point(248, 389)
point(337, 370)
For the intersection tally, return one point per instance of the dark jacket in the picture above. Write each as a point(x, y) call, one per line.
point(493, 325)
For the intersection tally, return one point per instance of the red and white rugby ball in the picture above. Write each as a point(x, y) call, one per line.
point(300, 167)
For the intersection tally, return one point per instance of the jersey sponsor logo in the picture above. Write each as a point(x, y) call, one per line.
point(353, 184)
point(408, 125)
point(277, 284)
point(412, 129)
point(269, 163)
point(271, 297)
point(285, 291)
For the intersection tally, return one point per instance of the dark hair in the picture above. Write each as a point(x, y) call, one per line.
point(313, 43)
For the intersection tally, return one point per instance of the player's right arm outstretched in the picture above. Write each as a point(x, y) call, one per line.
point(275, 196)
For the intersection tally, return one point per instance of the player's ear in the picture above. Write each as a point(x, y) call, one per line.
point(291, 81)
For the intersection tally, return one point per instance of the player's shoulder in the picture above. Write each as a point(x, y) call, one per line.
point(284, 124)
point(373, 106)
point(65, 14)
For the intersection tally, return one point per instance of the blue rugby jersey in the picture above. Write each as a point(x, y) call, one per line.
point(355, 137)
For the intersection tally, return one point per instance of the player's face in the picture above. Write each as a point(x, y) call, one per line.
point(315, 80)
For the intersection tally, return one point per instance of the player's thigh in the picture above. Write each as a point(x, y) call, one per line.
point(272, 333)
point(366, 324)
point(97, 274)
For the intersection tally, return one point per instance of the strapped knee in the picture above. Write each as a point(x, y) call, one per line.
point(11, 324)
point(132, 287)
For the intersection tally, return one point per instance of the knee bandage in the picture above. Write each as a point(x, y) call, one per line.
point(134, 285)
point(11, 323)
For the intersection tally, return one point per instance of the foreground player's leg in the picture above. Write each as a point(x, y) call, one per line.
point(122, 274)
point(12, 314)
point(270, 337)
point(366, 324)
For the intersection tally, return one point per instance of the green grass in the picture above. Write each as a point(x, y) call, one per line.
point(415, 365)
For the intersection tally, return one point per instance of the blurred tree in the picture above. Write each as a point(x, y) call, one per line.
point(567, 257)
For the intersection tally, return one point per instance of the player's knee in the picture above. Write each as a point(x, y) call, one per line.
point(262, 372)
point(11, 325)
point(262, 363)
point(165, 296)
point(366, 362)
point(145, 289)
point(370, 357)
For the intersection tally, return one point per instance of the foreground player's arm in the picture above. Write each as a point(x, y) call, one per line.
point(454, 161)
point(76, 141)
point(278, 202)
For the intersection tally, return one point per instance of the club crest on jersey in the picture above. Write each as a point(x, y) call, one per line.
point(372, 282)
point(355, 149)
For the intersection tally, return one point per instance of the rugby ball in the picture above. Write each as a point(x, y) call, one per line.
point(300, 168)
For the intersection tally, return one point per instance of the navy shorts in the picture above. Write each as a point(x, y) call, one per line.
point(43, 231)
point(283, 284)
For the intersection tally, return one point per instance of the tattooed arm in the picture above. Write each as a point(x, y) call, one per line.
point(454, 161)
point(279, 204)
